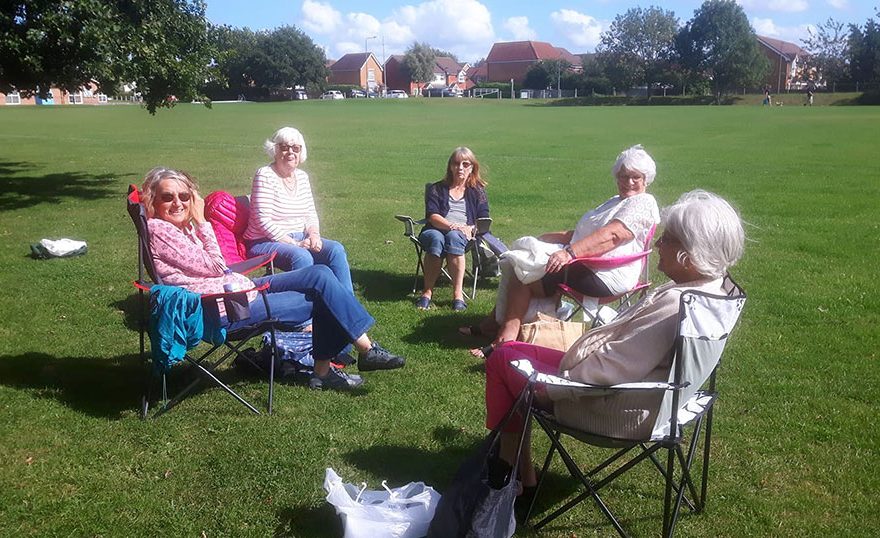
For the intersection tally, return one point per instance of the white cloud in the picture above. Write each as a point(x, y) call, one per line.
point(582, 30)
point(519, 29)
point(463, 27)
point(792, 34)
point(320, 18)
point(785, 6)
point(838, 4)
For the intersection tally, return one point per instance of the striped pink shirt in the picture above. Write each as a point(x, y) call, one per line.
point(277, 210)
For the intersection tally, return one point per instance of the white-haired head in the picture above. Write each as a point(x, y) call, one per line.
point(636, 159)
point(709, 229)
point(286, 135)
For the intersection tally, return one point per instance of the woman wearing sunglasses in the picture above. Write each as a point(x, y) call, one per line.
point(283, 217)
point(452, 207)
point(185, 253)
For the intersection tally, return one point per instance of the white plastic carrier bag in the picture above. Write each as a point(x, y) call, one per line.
point(403, 512)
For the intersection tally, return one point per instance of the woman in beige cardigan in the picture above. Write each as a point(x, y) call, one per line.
point(703, 237)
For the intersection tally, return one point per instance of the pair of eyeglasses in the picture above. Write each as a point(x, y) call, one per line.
point(169, 196)
point(295, 148)
point(466, 164)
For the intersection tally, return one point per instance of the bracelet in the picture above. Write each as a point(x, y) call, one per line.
point(568, 249)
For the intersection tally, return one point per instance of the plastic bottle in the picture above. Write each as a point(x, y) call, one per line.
point(229, 283)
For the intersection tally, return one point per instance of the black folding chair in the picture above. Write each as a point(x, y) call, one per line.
point(706, 322)
point(235, 303)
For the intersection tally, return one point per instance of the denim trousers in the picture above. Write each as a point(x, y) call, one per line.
point(289, 257)
point(437, 243)
point(338, 318)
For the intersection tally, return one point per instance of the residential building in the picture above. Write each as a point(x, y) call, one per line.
point(512, 60)
point(447, 73)
point(87, 95)
point(357, 69)
point(786, 64)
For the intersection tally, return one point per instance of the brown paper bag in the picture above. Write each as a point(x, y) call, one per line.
point(551, 332)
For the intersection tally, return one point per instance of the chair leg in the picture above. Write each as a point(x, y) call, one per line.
point(274, 358)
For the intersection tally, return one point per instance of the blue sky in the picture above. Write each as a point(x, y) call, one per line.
point(468, 28)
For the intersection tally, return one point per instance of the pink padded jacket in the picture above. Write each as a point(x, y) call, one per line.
point(228, 216)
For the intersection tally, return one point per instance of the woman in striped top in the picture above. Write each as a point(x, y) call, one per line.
point(283, 218)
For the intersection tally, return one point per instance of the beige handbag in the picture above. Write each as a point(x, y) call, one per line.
point(551, 332)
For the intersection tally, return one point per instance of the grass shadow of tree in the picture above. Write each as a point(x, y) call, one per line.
point(442, 330)
point(21, 189)
point(308, 521)
point(384, 286)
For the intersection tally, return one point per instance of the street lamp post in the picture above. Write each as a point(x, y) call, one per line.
point(365, 42)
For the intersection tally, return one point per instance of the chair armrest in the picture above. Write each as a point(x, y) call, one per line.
point(409, 225)
point(483, 225)
point(252, 264)
point(610, 263)
point(524, 367)
point(262, 287)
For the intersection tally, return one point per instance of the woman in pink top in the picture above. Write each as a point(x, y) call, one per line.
point(185, 253)
point(283, 217)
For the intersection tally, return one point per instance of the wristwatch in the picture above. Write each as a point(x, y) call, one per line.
point(568, 249)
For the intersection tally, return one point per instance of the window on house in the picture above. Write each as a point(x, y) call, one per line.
point(461, 78)
point(371, 75)
point(75, 98)
point(102, 98)
point(13, 98)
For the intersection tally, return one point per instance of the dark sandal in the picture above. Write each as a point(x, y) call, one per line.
point(423, 303)
point(483, 352)
point(471, 330)
point(459, 305)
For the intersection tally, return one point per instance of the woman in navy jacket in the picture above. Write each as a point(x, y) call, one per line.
point(452, 207)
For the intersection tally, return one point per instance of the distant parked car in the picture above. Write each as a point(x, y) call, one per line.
point(443, 92)
point(358, 94)
point(300, 95)
point(332, 94)
point(396, 94)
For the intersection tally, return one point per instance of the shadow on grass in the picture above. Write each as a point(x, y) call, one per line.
point(98, 387)
point(441, 328)
point(383, 286)
point(308, 521)
point(130, 307)
point(24, 191)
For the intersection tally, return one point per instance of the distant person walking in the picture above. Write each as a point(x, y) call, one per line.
point(767, 100)
point(809, 96)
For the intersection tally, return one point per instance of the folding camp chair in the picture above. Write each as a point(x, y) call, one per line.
point(206, 364)
point(705, 323)
point(624, 300)
point(474, 246)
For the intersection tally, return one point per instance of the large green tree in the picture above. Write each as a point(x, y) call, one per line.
point(864, 53)
point(719, 43)
point(638, 46)
point(419, 61)
point(546, 74)
point(161, 47)
point(827, 46)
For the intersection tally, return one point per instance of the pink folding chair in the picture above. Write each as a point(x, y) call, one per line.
point(624, 300)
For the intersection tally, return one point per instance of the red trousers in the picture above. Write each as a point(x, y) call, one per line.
point(504, 384)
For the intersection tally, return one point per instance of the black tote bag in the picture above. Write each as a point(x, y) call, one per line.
point(470, 507)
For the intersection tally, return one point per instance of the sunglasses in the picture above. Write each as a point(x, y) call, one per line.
point(296, 148)
point(169, 196)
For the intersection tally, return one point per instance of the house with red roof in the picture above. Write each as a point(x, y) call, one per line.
point(357, 69)
point(512, 60)
point(447, 72)
point(87, 95)
point(786, 64)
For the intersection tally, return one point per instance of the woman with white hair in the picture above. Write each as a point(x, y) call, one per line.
point(283, 217)
point(618, 227)
point(702, 239)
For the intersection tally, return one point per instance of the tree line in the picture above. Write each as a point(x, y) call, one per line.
point(166, 48)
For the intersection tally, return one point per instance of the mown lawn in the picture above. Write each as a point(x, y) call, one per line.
point(796, 437)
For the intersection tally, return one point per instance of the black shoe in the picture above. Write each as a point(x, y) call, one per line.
point(335, 380)
point(379, 358)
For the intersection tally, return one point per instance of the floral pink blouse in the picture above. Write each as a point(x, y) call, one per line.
point(190, 258)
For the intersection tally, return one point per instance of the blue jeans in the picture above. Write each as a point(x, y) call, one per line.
point(338, 318)
point(290, 257)
point(437, 243)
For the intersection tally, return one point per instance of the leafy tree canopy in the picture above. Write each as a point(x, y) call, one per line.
point(419, 61)
point(719, 43)
point(864, 52)
point(638, 46)
point(441, 52)
point(545, 74)
point(160, 47)
point(828, 50)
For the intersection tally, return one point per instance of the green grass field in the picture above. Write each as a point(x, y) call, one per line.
point(796, 437)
